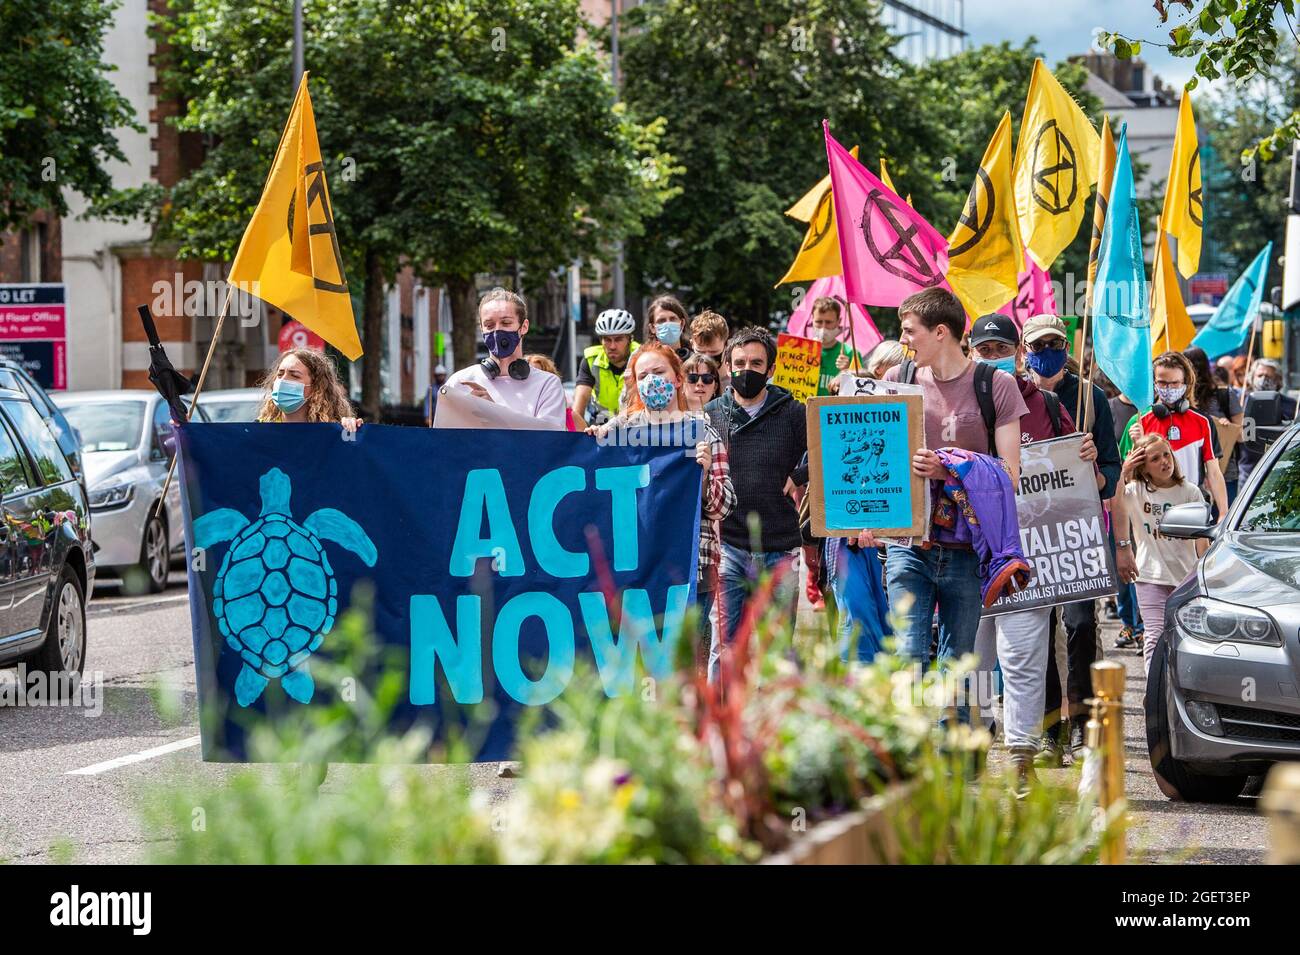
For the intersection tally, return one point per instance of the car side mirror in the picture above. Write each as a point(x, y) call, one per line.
point(1187, 522)
point(165, 441)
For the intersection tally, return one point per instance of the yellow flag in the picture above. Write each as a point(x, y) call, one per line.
point(819, 255)
point(889, 183)
point(984, 256)
point(1106, 178)
point(1056, 166)
point(289, 256)
point(1183, 208)
point(1171, 326)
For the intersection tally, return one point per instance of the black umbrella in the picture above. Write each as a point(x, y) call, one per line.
point(171, 384)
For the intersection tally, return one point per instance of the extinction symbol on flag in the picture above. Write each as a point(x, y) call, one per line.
point(902, 257)
point(1047, 178)
point(316, 193)
point(1196, 203)
point(982, 193)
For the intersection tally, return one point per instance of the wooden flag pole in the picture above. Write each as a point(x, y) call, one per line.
point(198, 387)
point(1250, 358)
point(853, 342)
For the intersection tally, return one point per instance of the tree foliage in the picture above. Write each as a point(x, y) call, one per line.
point(457, 137)
point(58, 106)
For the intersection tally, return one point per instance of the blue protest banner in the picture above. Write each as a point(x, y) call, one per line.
point(493, 557)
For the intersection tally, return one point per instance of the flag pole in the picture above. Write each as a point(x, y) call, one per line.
point(198, 387)
point(853, 342)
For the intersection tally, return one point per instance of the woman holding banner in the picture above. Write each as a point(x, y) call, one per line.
point(303, 388)
point(659, 401)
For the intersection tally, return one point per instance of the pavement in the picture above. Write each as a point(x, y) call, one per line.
point(75, 777)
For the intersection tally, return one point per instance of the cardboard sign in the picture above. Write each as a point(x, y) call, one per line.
point(798, 365)
point(851, 385)
point(860, 465)
point(1229, 435)
point(1062, 529)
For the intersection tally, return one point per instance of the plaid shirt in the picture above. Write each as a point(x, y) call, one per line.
point(718, 497)
point(719, 501)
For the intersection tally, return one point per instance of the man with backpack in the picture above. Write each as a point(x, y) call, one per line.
point(1047, 358)
point(968, 405)
point(1020, 641)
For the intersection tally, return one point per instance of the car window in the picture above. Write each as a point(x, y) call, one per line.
point(107, 425)
point(13, 472)
point(51, 466)
point(1275, 505)
point(231, 410)
point(9, 379)
point(39, 399)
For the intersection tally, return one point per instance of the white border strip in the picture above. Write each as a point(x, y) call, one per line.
point(139, 757)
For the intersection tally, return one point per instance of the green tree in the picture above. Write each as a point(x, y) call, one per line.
point(744, 87)
point(1245, 204)
point(457, 137)
point(1227, 38)
point(58, 107)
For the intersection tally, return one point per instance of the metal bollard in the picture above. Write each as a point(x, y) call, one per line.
point(1106, 732)
point(1280, 801)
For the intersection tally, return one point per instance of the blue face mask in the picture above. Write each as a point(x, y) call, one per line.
point(501, 342)
point(1007, 364)
point(1047, 362)
point(670, 333)
point(287, 395)
point(656, 391)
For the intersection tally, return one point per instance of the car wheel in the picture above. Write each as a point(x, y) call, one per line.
point(155, 556)
point(1174, 777)
point(64, 651)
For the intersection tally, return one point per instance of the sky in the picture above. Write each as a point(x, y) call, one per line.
point(1065, 27)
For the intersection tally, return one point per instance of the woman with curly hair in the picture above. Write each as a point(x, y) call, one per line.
point(304, 387)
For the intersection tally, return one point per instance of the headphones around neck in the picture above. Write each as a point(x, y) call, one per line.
point(518, 370)
point(1161, 410)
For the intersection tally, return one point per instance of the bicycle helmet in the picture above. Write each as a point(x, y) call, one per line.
point(615, 321)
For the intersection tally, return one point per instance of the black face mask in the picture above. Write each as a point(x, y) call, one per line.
point(748, 383)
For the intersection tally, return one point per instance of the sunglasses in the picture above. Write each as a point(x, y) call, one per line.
point(706, 377)
point(1046, 344)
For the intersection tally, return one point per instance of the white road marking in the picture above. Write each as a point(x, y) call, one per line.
point(139, 757)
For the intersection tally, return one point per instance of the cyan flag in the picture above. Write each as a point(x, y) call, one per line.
point(1121, 321)
point(1228, 327)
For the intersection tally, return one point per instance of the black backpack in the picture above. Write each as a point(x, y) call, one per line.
point(983, 394)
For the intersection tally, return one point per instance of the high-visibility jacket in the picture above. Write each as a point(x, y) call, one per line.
point(608, 385)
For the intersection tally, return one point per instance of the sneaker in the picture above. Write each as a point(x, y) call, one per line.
point(1022, 764)
point(1126, 639)
point(1049, 751)
point(1077, 737)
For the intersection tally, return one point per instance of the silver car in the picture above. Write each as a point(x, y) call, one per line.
point(127, 445)
point(1223, 694)
point(232, 404)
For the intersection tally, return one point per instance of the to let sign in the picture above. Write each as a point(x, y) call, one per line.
point(33, 330)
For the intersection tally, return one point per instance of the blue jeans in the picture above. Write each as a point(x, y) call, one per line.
point(738, 574)
point(704, 638)
point(917, 579)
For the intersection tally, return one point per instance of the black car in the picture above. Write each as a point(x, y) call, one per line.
point(47, 565)
point(15, 378)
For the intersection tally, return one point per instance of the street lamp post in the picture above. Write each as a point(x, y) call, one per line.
point(619, 301)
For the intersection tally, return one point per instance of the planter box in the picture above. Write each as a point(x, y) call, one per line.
point(864, 837)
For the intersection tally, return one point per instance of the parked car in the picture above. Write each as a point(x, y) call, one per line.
point(232, 404)
point(47, 564)
point(126, 442)
point(1223, 695)
point(15, 378)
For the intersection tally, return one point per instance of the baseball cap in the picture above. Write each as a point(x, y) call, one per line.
point(1040, 326)
point(994, 328)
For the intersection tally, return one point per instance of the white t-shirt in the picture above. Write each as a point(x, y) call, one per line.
point(540, 395)
point(1160, 560)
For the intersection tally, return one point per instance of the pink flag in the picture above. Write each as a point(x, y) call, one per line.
point(865, 336)
point(1035, 295)
point(888, 251)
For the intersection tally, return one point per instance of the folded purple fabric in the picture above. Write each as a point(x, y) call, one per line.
point(980, 487)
